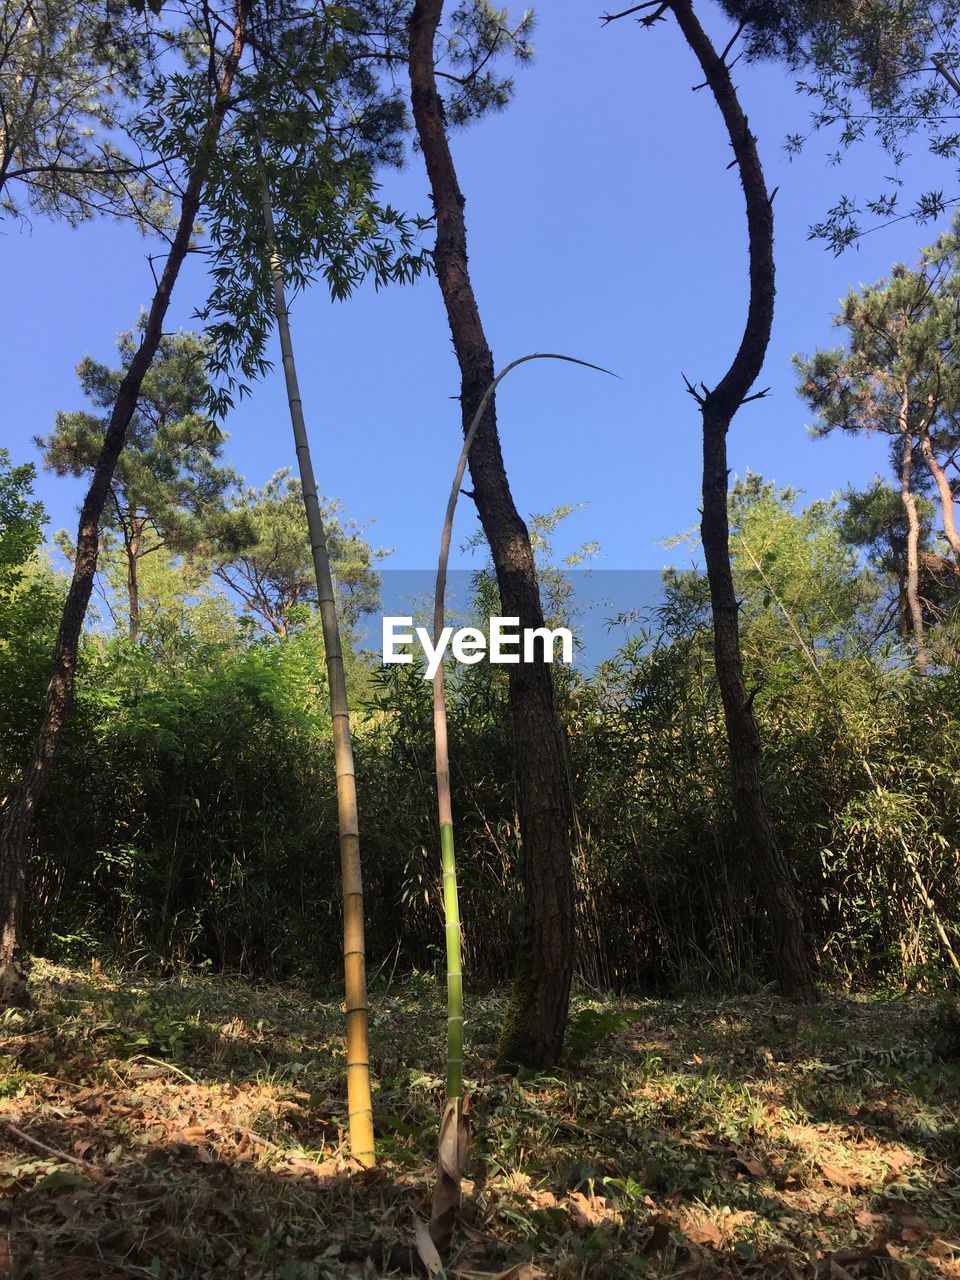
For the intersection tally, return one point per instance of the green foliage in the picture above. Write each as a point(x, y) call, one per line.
point(589, 1028)
point(884, 71)
point(30, 602)
point(70, 71)
point(211, 805)
point(476, 33)
point(901, 341)
point(167, 486)
point(29, 617)
point(207, 830)
point(314, 113)
point(181, 611)
point(897, 376)
point(261, 551)
point(796, 566)
point(21, 521)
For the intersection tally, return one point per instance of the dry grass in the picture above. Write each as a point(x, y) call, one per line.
point(194, 1128)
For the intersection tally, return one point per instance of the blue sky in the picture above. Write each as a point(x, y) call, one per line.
point(603, 224)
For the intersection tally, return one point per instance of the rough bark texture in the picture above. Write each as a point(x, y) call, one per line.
point(133, 585)
point(791, 955)
point(533, 1031)
point(913, 537)
point(944, 489)
point(18, 819)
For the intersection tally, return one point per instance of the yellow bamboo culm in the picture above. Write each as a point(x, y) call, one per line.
point(359, 1103)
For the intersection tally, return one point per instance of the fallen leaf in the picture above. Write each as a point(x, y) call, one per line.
point(869, 1221)
point(839, 1176)
point(942, 1249)
point(702, 1231)
point(756, 1168)
point(63, 1180)
point(898, 1158)
point(427, 1249)
point(592, 1211)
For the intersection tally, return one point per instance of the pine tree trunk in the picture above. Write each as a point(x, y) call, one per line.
point(536, 1019)
point(945, 490)
point(133, 586)
point(359, 1104)
point(756, 831)
point(913, 537)
point(20, 813)
point(790, 950)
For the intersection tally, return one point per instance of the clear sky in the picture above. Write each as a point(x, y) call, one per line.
point(603, 224)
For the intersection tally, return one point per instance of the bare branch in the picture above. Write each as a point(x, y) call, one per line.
point(638, 8)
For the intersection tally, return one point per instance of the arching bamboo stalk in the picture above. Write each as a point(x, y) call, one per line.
point(454, 1128)
point(444, 806)
point(359, 1104)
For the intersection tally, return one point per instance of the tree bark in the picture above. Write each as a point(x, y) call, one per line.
point(534, 1027)
point(945, 490)
point(19, 817)
point(913, 537)
point(790, 951)
point(133, 585)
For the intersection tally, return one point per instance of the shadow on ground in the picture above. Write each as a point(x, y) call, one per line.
point(194, 1128)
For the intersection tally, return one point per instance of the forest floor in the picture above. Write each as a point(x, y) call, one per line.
point(193, 1127)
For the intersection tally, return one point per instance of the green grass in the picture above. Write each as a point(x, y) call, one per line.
point(193, 1127)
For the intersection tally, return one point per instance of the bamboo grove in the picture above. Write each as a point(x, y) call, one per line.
point(757, 782)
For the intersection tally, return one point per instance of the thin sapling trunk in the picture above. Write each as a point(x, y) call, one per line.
point(133, 584)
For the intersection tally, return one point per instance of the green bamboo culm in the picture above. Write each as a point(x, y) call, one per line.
point(455, 1122)
point(451, 900)
point(451, 904)
point(451, 911)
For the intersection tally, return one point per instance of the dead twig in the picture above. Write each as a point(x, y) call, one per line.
point(51, 1151)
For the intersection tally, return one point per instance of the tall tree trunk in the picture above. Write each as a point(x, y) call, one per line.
point(533, 1030)
point(913, 536)
point(359, 1104)
point(791, 954)
point(19, 817)
point(133, 585)
point(945, 490)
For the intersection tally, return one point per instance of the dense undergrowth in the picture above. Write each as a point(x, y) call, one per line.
point(193, 1127)
point(192, 818)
